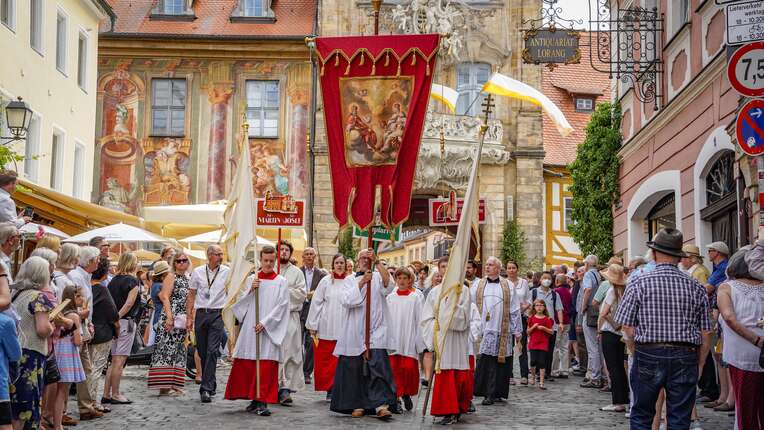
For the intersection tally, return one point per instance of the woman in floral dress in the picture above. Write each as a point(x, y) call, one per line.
point(168, 364)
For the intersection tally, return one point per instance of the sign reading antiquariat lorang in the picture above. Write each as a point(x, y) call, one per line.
point(551, 46)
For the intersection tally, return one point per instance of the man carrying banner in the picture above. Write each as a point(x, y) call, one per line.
point(263, 310)
point(363, 382)
point(501, 319)
point(291, 376)
point(452, 389)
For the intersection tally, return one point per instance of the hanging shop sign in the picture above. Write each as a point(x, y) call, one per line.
point(551, 46)
point(280, 212)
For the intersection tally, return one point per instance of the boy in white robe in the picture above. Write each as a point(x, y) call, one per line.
point(405, 335)
point(249, 367)
point(291, 375)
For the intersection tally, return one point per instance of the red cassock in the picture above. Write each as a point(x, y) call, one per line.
point(325, 364)
point(452, 392)
point(243, 378)
point(406, 373)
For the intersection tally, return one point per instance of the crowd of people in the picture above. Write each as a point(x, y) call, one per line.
point(372, 336)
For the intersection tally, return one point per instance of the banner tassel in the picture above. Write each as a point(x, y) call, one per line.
point(428, 69)
point(373, 68)
point(387, 58)
point(323, 67)
point(347, 70)
point(413, 59)
point(398, 73)
point(337, 60)
point(362, 57)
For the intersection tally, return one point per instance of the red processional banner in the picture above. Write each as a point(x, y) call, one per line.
point(375, 91)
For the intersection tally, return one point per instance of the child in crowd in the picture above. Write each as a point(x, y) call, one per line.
point(10, 353)
point(539, 331)
point(67, 352)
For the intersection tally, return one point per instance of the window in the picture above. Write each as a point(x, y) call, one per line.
point(263, 108)
point(79, 171)
point(470, 78)
point(61, 24)
point(662, 215)
point(35, 27)
point(568, 209)
point(8, 13)
point(168, 107)
point(56, 161)
point(680, 14)
point(82, 61)
point(174, 7)
point(720, 180)
point(254, 8)
point(32, 149)
point(584, 104)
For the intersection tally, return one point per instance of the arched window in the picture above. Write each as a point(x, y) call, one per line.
point(662, 215)
point(720, 180)
point(721, 201)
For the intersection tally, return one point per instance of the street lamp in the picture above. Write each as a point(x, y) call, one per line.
point(18, 116)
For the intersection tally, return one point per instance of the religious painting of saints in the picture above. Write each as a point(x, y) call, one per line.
point(375, 111)
point(165, 168)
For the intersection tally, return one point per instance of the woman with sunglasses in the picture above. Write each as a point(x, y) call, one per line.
point(168, 363)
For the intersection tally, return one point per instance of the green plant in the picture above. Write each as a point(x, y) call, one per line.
point(512, 240)
point(346, 245)
point(9, 158)
point(595, 189)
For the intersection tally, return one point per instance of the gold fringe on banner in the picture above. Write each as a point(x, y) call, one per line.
point(322, 69)
point(337, 61)
point(387, 59)
point(413, 60)
point(373, 68)
point(362, 57)
point(428, 68)
point(347, 70)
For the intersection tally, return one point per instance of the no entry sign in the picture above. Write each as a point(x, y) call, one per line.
point(745, 69)
point(750, 128)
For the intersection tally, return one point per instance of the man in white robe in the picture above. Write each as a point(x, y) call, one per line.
point(452, 389)
point(291, 375)
point(250, 366)
point(500, 313)
point(405, 335)
point(363, 382)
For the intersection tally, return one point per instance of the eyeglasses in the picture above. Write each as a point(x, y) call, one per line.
point(218, 254)
point(181, 260)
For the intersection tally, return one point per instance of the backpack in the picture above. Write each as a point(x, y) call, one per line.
point(593, 312)
point(554, 302)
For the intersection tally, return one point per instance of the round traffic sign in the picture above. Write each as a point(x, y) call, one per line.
point(745, 69)
point(749, 128)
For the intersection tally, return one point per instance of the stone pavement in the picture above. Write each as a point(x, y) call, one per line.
point(563, 405)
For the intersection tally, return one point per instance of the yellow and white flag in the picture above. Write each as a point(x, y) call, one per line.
point(446, 95)
point(240, 234)
point(505, 86)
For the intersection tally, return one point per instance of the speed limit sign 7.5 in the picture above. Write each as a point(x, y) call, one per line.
point(745, 69)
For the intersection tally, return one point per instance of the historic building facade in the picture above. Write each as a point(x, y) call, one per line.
point(176, 80)
point(576, 89)
point(484, 39)
point(681, 166)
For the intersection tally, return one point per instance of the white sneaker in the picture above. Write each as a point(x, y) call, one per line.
point(695, 425)
point(627, 414)
point(662, 427)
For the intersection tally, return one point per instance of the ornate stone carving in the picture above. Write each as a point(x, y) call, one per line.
point(461, 134)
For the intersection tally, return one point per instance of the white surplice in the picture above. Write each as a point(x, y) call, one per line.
point(453, 339)
point(476, 328)
point(492, 313)
point(291, 375)
point(274, 316)
point(327, 315)
point(404, 332)
point(351, 340)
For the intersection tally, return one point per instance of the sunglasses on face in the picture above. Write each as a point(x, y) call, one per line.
point(217, 254)
point(181, 260)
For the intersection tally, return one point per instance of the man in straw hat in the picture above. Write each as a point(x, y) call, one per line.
point(665, 318)
point(692, 264)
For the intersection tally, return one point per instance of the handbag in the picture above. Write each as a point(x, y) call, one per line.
point(180, 322)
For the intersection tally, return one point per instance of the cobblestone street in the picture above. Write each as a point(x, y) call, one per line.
point(563, 406)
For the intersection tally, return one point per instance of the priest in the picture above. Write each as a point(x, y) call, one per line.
point(291, 374)
point(263, 311)
point(363, 382)
point(500, 314)
point(405, 335)
point(447, 316)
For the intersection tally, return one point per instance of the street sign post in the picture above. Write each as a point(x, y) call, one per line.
point(750, 128)
point(745, 70)
point(745, 22)
point(379, 233)
point(760, 165)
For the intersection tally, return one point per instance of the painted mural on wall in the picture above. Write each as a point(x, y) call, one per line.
point(165, 171)
point(121, 94)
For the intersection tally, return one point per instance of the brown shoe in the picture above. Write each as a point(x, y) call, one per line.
point(357, 413)
point(384, 414)
point(91, 415)
point(68, 421)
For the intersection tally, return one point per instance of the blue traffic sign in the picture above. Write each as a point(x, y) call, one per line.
point(750, 127)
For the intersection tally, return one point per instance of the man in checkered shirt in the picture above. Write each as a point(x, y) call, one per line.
point(666, 324)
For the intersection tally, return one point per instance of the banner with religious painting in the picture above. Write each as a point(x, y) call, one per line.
point(375, 91)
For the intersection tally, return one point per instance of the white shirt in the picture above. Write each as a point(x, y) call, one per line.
point(209, 286)
point(476, 328)
point(610, 299)
point(493, 305)
point(453, 339)
point(327, 315)
point(296, 284)
point(404, 331)
point(351, 341)
point(522, 291)
point(6, 262)
point(8, 210)
point(309, 277)
point(59, 282)
point(274, 316)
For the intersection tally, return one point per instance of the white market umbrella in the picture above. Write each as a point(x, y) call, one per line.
point(118, 233)
point(31, 229)
point(207, 214)
point(213, 237)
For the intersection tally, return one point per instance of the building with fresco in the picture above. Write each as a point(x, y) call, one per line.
point(176, 80)
point(484, 39)
point(576, 89)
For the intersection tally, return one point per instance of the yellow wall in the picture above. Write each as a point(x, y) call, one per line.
point(396, 257)
point(57, 100)
point(559, 247)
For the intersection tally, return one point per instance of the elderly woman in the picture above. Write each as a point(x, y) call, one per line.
point(32, 307)
point(49, 241)
point(168, 363)
point(741, 304)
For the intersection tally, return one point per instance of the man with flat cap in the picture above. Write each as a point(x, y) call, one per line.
point(666, 323)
